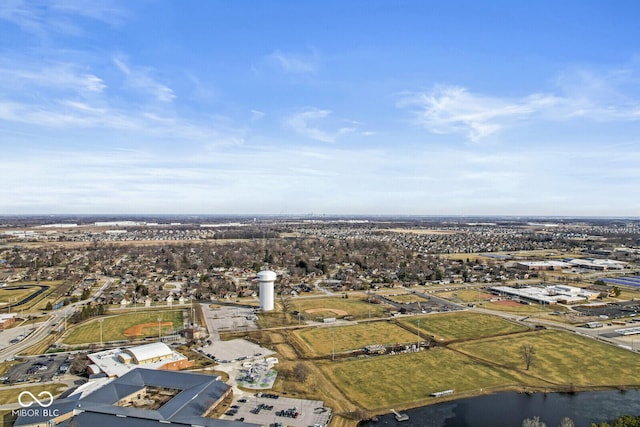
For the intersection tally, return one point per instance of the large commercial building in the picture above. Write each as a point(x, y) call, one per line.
point(117, 362)
point(555, 294)
point(140, 398)
point(542, 265)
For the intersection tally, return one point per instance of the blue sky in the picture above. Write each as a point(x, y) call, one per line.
point(334, 107)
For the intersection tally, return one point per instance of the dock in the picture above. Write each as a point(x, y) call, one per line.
point(442, 393)
point(400, 417)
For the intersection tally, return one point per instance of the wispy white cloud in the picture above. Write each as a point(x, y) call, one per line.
point(54, 76)
point(42, 17)
point(453, 109)
point(112, 12)
point(295, 63)
point(141, 79)
point(598, 97)
point(131, 123)
point(257, 115)
point(305, 123)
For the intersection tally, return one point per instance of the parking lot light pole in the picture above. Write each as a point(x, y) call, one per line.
point(100, 321)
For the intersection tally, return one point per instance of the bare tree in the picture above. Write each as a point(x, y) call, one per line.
point(528, 352)
point(533, 422)
point(285, 301)
point(361, 414)
point(567, 422)
point(300, 372)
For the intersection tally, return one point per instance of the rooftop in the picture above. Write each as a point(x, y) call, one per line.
point(196, 393)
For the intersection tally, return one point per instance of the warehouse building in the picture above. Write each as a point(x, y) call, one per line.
point(555, 294)
point(117, 362)
point(542, 265)
point(147, 353)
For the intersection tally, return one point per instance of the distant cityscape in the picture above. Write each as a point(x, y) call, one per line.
point(272, 305)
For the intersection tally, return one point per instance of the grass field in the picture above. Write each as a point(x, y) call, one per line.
point(463, 325)
point(113, 327)
point(319, 341)
point(10, 395)
point(464, 295)
point(11, 293)
point(356, 307)
point(523, 309)
point(407, 380)
point(561, 358)
point(563, 361)
point(32, 287)
point(407, 298)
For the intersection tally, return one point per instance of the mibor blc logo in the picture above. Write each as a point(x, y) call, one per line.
point(42, 403)
point(26, 399)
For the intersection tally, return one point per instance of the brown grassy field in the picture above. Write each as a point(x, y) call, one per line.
point(562, 361)
point(356, 307)
point(321, 341)
point(463, 325)
point(383, 382)
point(407, 298)
point(561, 358)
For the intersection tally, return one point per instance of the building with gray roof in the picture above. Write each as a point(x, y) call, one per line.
point(140, 398)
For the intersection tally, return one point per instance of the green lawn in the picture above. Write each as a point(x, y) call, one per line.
point(113, 327)
point(562, 361)
point(408, 379)
point(318, 341)
point(11, 292)
point(561, 358)
point(463, 325)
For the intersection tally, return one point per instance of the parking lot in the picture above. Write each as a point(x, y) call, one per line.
point(273, 410)
point(232, 318)
point(611, 310)
point(38, 369)
point(238, 349)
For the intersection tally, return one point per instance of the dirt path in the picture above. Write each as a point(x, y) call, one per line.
point(137, 330)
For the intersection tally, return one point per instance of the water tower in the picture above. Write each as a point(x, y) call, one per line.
point(266, 278)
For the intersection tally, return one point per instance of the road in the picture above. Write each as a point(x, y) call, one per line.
point(42, 330)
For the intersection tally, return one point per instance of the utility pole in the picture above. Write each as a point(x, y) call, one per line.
point(100, 321)
point(159, 330)
point(418, 334)
point(333, 343)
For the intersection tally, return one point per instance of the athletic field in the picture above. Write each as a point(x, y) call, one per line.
point(322, 341)
point(114, 328)
point(463, 325)
point(322, 308)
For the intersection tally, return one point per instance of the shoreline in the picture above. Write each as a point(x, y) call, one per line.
point(401, 407)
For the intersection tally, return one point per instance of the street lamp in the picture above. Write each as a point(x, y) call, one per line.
point(418, 334)
point(159, 330)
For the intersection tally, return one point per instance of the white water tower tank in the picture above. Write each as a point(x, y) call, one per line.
point(266, 278)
